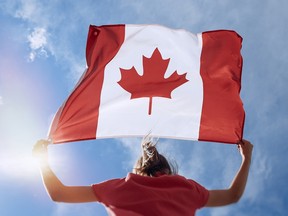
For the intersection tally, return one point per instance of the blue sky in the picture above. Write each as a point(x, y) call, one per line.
point(42, 49)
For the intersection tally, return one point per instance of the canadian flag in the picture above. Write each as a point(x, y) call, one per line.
point(150, 79)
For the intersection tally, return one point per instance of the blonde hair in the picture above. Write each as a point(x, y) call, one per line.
point(152, 163)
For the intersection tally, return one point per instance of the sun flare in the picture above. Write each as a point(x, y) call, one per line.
point(16, 165)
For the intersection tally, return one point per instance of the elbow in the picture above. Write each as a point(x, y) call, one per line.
point(56, 192)
point(54, 199)
point(235, 197)
point(55, 196)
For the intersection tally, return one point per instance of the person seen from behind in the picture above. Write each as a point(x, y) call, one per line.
point(153, 188)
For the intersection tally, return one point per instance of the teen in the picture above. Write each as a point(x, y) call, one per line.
point(152, 189)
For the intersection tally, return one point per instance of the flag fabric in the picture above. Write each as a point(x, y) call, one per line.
point(150, 79)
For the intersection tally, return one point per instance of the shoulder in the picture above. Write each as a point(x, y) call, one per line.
point(108, 182)
point(102, 189)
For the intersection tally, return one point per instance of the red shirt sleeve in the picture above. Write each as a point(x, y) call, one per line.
point(202, 193)
point(103, 190)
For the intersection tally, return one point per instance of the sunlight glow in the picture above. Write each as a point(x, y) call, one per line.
point(1, 100)
point(18, 166)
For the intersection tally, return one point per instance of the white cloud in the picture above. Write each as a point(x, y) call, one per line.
point(57, 38)
point(37, 43)
point(27, 10)
point(173, 13)
point(259, 173)
point(37, 38)
point(1, 100)
point(132, 145)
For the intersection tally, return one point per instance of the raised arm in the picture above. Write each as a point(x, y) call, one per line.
point(237, 187)
point(54, 187)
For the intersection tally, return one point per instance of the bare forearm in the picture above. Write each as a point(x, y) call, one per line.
point(61, 193)
point(52, 184)
point(50, 180)
point(54, 187)
point(238, 185)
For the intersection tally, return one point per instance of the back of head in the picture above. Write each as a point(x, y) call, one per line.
point(152, 163)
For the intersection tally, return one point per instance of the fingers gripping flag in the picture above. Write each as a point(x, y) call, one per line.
point(145, 79)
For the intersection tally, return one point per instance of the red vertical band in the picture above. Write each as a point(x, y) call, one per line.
point(221, 68)
point(77, 118)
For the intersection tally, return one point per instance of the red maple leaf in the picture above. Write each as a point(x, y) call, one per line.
point(152, 83)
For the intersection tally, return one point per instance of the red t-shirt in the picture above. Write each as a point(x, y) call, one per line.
point(136, 195)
